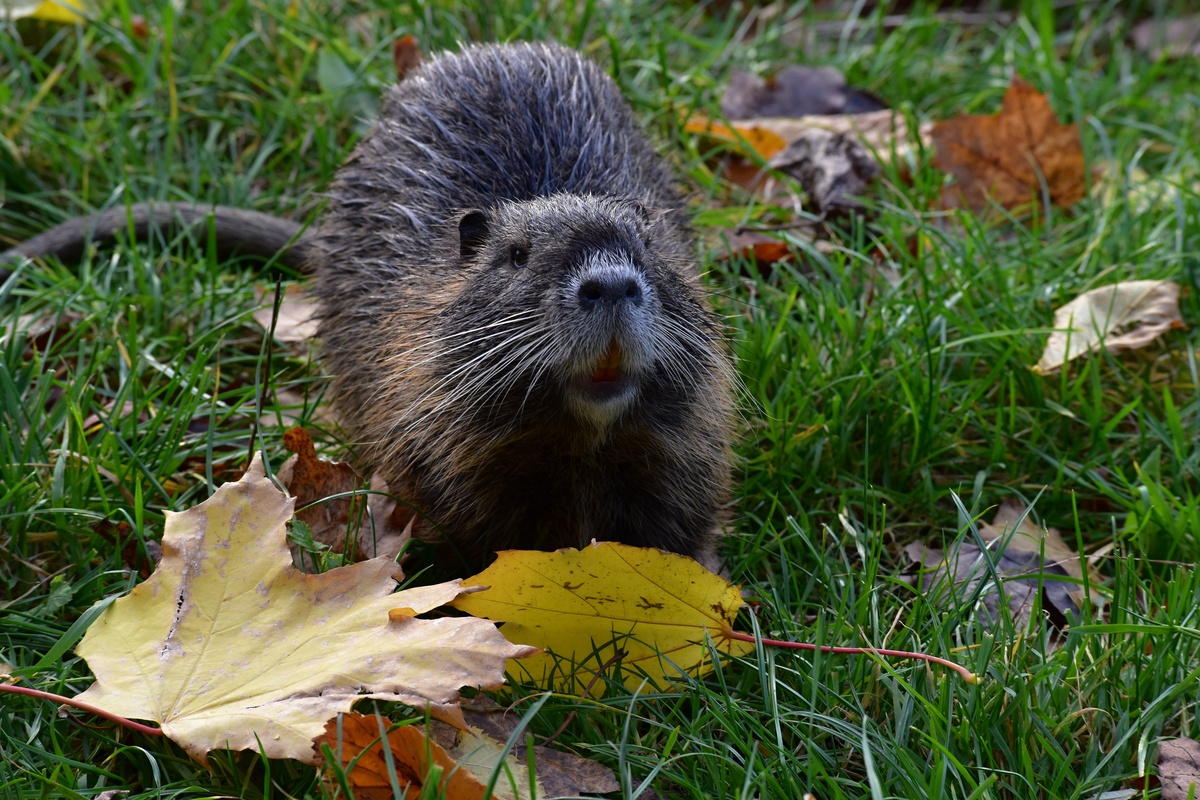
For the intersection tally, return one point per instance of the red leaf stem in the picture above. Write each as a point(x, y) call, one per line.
point(967, 675)
point(67, 701)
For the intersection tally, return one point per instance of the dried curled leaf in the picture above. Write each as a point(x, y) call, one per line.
point(833, 169)
point(1173, 38)
point(794, 91)
point(228, 646)
point(1179, 768)
point(584, 605)
point(1121, 316)
point(481, 747)
point(297, 321)
point(1032, 562)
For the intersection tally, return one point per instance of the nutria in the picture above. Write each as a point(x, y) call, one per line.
point(512, 312)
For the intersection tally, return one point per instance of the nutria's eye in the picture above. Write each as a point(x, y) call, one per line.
point(520, 256)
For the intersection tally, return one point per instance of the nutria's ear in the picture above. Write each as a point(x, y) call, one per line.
point(643, 211)
point(472, 231)
point(649, 218)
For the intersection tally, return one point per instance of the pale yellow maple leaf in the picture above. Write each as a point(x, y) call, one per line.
point(227, 645)
point(582, 605)
point(1120, 316)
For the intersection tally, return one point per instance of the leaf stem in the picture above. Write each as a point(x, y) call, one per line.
point(967, 675)
point(67, 701)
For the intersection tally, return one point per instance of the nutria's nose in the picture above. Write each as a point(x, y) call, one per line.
point(610, 288)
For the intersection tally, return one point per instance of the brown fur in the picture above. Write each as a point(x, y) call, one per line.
point(464, 375)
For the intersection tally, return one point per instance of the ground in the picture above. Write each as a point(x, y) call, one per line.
point(888, 392)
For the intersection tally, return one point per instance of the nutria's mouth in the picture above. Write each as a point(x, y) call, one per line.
point(608, 368)
point(608, 382)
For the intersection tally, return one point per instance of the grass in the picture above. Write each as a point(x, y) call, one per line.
point(877, 413)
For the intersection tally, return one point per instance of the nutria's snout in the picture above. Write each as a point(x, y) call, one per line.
point(611, 312)
point(610, 288)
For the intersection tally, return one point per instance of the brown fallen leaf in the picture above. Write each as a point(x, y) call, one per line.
point(1004, 158)
point(1173, 38)
point(1120, 316)
point(1027, 558)
point(1179, 769)
point(406, 56)
point(228, 646)
point(582, 606)
point(336, 522)
point(357, 742)
point(312, 480)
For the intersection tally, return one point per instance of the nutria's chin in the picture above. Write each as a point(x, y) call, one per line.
point(513, 314)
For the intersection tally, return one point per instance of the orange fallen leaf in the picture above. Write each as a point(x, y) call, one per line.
point(1005, 157)
point(757, 139)
point(753, 246)
point(356, 740)
point(585, 605)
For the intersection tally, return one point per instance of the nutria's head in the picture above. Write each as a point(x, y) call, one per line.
point(575, 306)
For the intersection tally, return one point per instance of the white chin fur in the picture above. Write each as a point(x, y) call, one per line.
point(600, 407)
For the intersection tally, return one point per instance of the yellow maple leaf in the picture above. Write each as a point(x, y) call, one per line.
point(65, 11)
point(227, 645)
point(584, 605)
